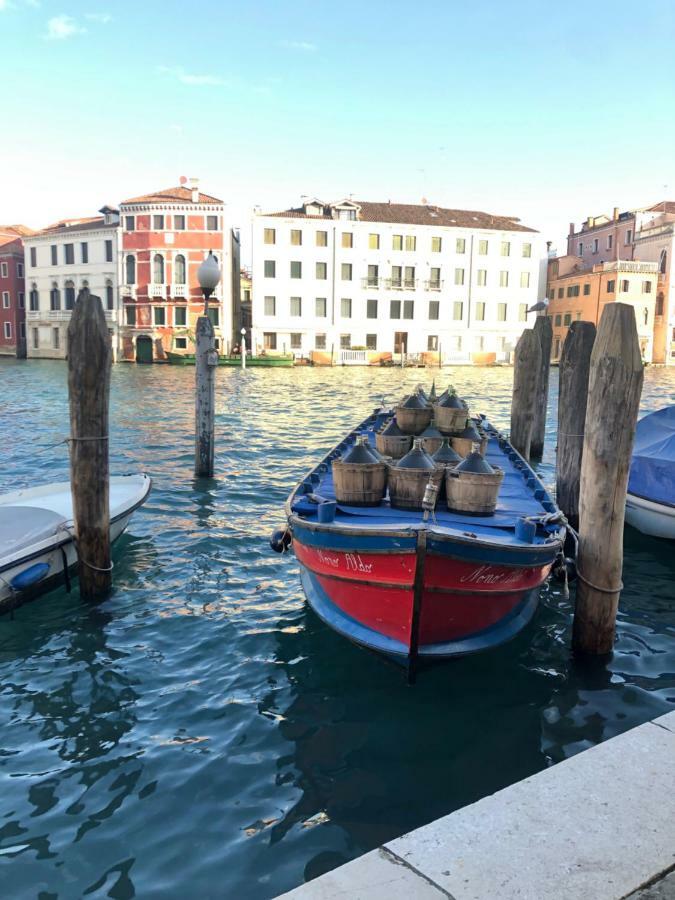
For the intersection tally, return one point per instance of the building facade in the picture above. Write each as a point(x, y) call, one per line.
point(580, 292)
point(392, 277)
point(12, 291)
point(61, 260)
point(165, 236)
point(655, 242)
point(603, 238)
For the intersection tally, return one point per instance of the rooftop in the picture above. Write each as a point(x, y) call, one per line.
point(82, 224)
point(180, 194)
point(13, 231)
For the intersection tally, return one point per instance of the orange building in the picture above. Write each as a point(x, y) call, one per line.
point(580, 292)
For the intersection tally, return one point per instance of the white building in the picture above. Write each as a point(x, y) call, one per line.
point(61, 260)
point(655, 242)
point(390, 276)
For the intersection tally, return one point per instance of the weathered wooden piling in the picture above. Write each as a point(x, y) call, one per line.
point(575, 364)
point(526, 368)
point(89, 358)
point(543, 328)
point(205, 368)
point(614, 388)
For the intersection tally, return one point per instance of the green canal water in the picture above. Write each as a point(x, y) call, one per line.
point(201, 733)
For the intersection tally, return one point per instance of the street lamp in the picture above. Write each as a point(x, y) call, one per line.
point(208, 275)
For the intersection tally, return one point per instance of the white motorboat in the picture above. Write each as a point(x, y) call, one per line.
point(37, 529)
point(650, 502)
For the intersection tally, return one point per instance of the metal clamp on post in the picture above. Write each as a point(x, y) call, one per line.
point(212, 357)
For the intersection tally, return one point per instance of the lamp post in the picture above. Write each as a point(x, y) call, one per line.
point(206, 360)
point(243, 348)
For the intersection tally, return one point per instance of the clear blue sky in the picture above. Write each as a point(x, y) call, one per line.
point(546, 111)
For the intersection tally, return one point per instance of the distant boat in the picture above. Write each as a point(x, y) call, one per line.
point(36, 533)
point(650, 504)
point(188, 359)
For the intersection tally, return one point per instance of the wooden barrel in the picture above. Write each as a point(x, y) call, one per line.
point(359, 484)
point(473, 494)
point(449, 419)
point(413, 420)
point(393, 445)
point(407, 486)
point(463, 445)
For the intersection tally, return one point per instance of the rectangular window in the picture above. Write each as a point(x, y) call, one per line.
point(595, 245)
point(610, 286)
point(19, 270)
point(505, 248)
point(432, 342)
point(371, 309)
point(457, 342)
point(270, 236)
point(646, 287)
point(480, 312)
point(624, 286)
point(320, 307)
point(129, 223)
point(629, 236)
point(558, 320)
point(479, 342)
point(524, 279)
point(434, 309)
point(397, 242)
point(373, 242)
point(457, 311)
point(296, 269)
point(347, 239)
point(567, 319)
point(345, 341)
point(503, 278)
point(108, 251)
point(5, 300)
point(22, 330)
point(69, 254)
point(482, 248)
point(522, 312)
point(561, 292)
point(36, 338)
point(481, 277)
point(296, 237)
point(459, 276)
point(410, 242)
point(373, 276)
point(501, 312)
point(396, 276)
point(296, 306)
point(394, 309)
point(22, 300)
point(610, 241)
point(270, 268)
point(270, 340)
point(180, 316)
point(371, 342)
point(346, 271)
point(33, 257)
point(551, 294)
point(56, 338)
point(320, 342)
point(346, 308)
point(436, 244)
point(214, 315)
point(270, 306)
point(409, 277)
point(8, 330)
point(180, 343)
point(587, 290)
point(321, 241)
point(408, 309)
point(435, 279)
point(460, 245)
point(130, 315)
point(296, 341)
point(321, 271)
point(212, 223)
point(158, 223)
point(159, 315)
point(179, 223)
point(527, 250)
point(84, 249)
point(580, 249)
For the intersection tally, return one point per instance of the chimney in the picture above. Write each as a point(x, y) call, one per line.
point(194, 187)
point(590, 222)
point(571, 227)
point(615, 214)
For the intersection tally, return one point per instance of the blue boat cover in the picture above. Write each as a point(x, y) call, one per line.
point(652, 470)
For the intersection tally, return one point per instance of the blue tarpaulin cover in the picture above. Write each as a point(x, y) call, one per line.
point(652, 470)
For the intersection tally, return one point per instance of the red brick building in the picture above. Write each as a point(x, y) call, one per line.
point(12, 291)
point(165, 236)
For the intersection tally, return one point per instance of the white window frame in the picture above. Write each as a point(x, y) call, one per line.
point(4, 271)
point(8, 330)
point(6, 300)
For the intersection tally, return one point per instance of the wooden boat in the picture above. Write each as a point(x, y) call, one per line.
point(36, 533)
point(413, 586)
point(188, 359)
point(650, 502)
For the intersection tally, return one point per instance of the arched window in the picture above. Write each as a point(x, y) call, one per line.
point(646, 315)
point(179, 269)
point(70, 294)
point(55, 297)
point(663, 262)
point(158, 269)
point(108, 294)
point(130, 265)
point(34, 298)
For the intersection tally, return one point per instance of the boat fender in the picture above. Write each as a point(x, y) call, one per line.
point(280, 540)
point(29, 576)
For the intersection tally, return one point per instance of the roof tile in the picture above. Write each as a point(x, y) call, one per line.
point(172, 195)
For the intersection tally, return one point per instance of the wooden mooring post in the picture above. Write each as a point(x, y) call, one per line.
point(205, 393)
point(526, 368)
point(543, 328)
point(574, 369)
point(614, 388)
point(89, 359)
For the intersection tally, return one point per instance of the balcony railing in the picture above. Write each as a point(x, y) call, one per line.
point(372, 282)
point(353, 357)
point(433, 285)
point(156, 290)
point(60, 315)
point(32, 314)
point(129, 290)
point(179, 290)
point(627, 265)
point(400, 284)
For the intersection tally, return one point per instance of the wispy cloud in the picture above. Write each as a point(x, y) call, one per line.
point(189, 77)
point(103, 18)
point(306, 46)
point(59, 28)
